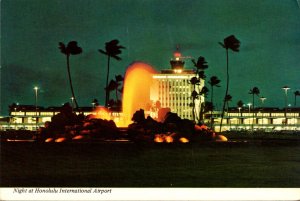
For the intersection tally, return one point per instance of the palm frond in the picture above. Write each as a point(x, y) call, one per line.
point(73, 48)
point(231, 42)
point(62, 48)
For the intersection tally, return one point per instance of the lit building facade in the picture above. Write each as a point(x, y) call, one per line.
point(267, 119)
point(27, 117)
point(172, 89)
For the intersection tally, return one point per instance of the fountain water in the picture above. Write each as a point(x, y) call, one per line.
point(136, 94)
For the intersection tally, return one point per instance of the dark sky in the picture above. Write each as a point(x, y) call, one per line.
point(269, 31)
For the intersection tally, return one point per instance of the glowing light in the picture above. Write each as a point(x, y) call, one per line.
point(61, 139)
point(172, 76)
point(178, 71)
point(221, 138)
point(183, 140)
point(78, 137)
point(169, 139)
point(158, 139)
point(49, 140)
point(159, 76)
point(136, 95)
point(103, 113)
point(177, 54)
point(200, 128)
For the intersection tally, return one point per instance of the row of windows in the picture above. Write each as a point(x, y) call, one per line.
point(259, 114)
point(33, 113)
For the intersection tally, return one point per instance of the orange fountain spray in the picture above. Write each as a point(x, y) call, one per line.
point(136, 95)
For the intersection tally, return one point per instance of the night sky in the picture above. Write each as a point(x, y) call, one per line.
point(269, 31)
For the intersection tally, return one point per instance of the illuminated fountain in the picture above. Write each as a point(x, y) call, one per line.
point(136, 95)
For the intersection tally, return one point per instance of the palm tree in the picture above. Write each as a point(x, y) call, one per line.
point(296, 93)
point(253, 91)
point(240, 103)
point(213, 82)
point(208, 106)
point(227, 99)
point(200, 66)
point(119, 78)
point(231, 42)
point(112, 49)
point(70, 49)
point(194, 81)
point(112, 86)
point(95, 103)
point(204, 91)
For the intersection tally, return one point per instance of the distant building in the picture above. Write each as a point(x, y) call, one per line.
point(27, 117)
point(172, 89)
point(267, 119)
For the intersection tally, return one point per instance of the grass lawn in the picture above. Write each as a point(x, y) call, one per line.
point(150, 165)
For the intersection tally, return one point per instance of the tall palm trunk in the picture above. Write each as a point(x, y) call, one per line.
point(212, 106)
point(194, 115)
point(107, 76)
point(227, 86)
point(70, 81)
point(200, 108)
point(117, 98)
point(252, 111)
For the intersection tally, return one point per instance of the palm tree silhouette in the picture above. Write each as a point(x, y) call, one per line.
point(70, 49)
point(118, 79)
point(253, 91)
point(194, 81)
point(213, 82)
point(227, 99)
point(204, 91)
point(231, 42)
point(208, 106)
point(200, 65)
point(95, 103)
point(112, 86)
point(240, 103)
point(296, 93)
point(112, 49)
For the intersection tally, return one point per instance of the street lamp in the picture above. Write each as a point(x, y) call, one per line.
point(285, 88)
point(249, 105)
point(239, 108)
point(262, 100)
point(36, 96)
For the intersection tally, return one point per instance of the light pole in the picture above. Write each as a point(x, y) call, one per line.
point(285, 88)
point(36, 96)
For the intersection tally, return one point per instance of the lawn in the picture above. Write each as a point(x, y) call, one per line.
point(210, 164)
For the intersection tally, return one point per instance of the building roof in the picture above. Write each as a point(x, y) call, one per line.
point(264, 109)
